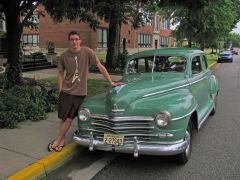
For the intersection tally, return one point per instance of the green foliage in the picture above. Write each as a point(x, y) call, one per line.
point(50, 46)
point(101, 55)
point(30, 101)
point(212, 58)
point(122, 56)
point(73, 10)
point(13, 74)
point(234, 39)
point(206, 26)
point(38, 55)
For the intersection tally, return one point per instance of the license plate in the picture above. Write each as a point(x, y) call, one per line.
point(113, 139)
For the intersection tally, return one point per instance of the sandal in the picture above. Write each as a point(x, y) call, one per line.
point(50, 148)
point(59, 148)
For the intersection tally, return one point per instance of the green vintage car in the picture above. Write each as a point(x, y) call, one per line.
point(167, 94)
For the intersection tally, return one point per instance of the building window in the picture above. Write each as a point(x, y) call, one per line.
point(164, 24)
point(164, 41)
point(144, 40)
point(156, 23)
point(102, 38)
point(2, 24)
point(147, 19)
point(31, 39)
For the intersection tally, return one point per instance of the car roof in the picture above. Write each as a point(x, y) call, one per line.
point(166, 51)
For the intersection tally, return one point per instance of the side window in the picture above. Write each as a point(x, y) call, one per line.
point(145, 65)
point(140, 65)
point(205, 64)
point(196, 65)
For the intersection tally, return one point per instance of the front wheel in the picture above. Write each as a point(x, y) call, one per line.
point(185, 156)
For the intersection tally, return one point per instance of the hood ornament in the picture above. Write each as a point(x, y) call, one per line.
point(115, 109)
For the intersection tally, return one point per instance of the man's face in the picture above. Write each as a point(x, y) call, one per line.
point(75, 41)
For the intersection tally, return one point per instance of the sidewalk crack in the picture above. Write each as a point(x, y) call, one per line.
point(19, 153)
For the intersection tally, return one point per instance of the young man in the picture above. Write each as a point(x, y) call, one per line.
point(72, 83)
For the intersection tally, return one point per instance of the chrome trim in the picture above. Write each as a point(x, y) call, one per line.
point(138, 118)
point(135, 134)
point(205, 117)
point(166, 90)
point(125, 123)
point(115, 109)
point(118, 110)
point(165, 135)
point(136, 148)
point(120, 119)
point(175, 88)
point(91, 141)
point(194, 82)
point(122, 128)
point(182, 117)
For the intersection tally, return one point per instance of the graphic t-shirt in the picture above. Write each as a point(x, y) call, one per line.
point(75, 66)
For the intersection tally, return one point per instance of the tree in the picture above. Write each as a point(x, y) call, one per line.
point(17, 15)
point(117, 12)
point(205, 25)
point(234, 39)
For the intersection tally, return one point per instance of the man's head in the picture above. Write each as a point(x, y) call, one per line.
point(75, 40)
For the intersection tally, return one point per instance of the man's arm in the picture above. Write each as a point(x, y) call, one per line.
point(60, 80)
point(105, 73)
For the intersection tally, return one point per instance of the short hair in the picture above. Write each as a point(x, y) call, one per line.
point(73, 33)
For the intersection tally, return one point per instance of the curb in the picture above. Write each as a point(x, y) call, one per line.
point(213, 65)
point(47, 164)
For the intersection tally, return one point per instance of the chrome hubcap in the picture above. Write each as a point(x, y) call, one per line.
point(188, 139)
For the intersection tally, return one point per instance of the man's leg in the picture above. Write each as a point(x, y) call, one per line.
point(64, 127)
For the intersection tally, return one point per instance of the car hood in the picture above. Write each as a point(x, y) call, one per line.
point(138, 87)
point(225, 54)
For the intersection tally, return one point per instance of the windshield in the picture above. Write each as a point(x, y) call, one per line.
point(157, 64)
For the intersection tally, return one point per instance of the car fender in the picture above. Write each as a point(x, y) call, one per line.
point(179, 103)
point(214, 87)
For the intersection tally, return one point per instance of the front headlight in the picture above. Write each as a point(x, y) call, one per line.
point(83, 114)
point(163, 118)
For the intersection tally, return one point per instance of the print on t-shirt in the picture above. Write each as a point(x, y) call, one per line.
point(76, 73)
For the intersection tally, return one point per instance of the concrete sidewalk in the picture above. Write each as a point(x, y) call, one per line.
point(23, 151)
point(27, 144)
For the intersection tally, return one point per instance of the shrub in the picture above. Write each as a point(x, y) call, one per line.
point(30, 101)
point(123, 58)
point(38, 55)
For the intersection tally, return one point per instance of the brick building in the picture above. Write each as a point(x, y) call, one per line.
point(155, 34)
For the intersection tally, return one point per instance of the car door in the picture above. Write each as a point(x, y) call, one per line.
point(199, 84)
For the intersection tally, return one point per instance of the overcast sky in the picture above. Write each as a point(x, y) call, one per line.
point(237, 29)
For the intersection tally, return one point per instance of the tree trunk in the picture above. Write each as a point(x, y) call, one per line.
point(14, 31)
point(202, 45)
point(113, 43)
point(189, 43)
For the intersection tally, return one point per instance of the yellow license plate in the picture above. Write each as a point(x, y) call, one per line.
point(113, 139)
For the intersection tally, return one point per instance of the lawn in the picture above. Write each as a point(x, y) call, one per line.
point(212, 58)
point(95, 86)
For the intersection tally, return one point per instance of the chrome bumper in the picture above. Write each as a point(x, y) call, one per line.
point(136, 148)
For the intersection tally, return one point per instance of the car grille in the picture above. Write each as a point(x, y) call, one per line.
point(130, 127)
